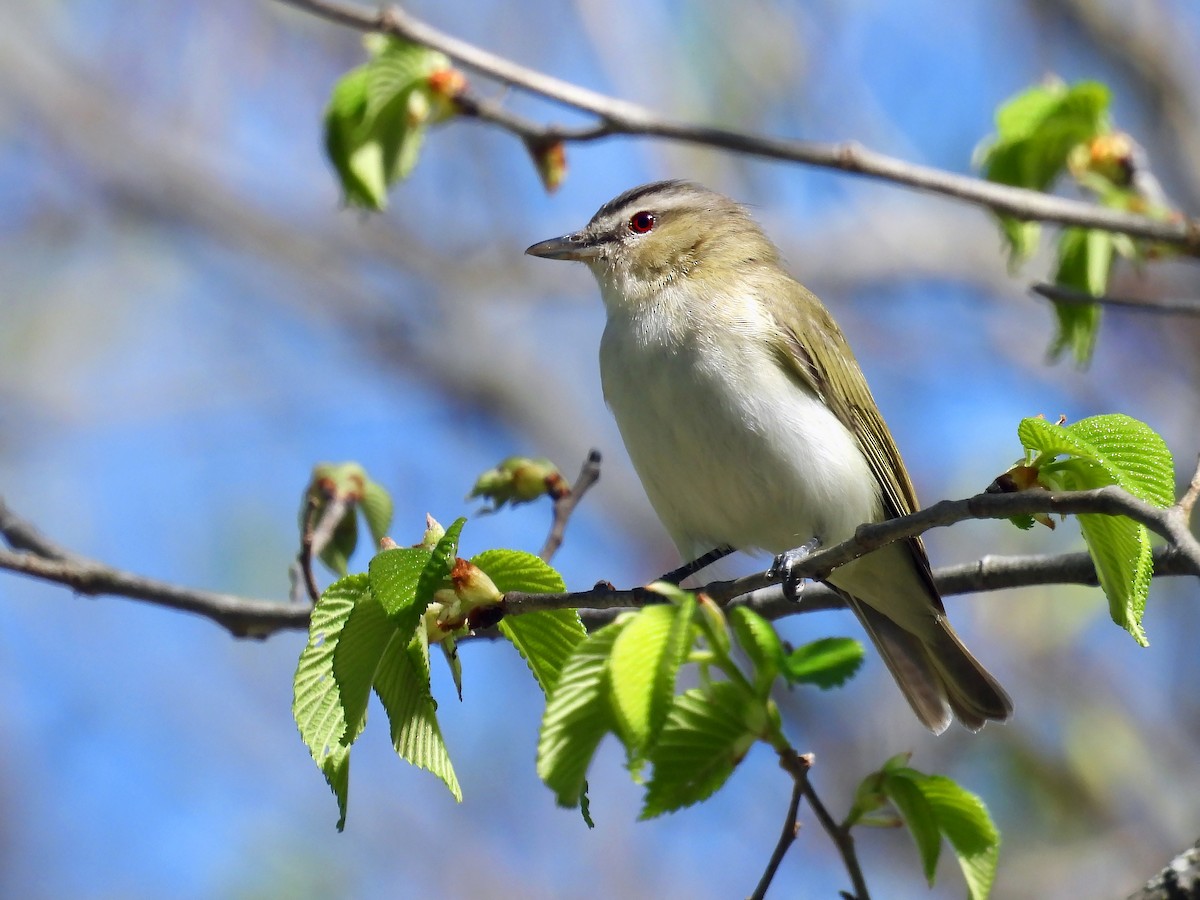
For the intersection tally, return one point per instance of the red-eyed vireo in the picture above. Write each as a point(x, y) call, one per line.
point(751, 425)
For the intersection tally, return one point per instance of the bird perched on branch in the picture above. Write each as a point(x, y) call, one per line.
point(751, 425)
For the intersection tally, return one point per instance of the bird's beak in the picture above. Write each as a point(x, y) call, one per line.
point(576, 246)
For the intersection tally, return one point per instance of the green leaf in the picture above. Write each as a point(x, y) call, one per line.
point(642, 668)
point(402, 684)
point(356, 657)
point(933, 805)
point(578, 714)
point(1134, 453)
point(545, 640)
point(1084, 262)
point(1121, 552)
point(1036, 130)
point(345, 142)
point(707, 733)
point(919, 816)
point(758, 639)
point(964, 820)
point(516, 570)
point(394, 576)
point(377, 510)
point(316, 704)
point(377, 117)
point(441, 561)
point(827, 663)
point(1103, 450)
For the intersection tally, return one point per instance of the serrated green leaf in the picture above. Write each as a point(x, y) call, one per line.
point(707, 733)
point(377, 510)
point(545, 640)
point(516, 570)
point(1134, 453)
point(441, 561)
point(316, 704)
point(1120, 549)
point(919, 816)
point(645, 660)
point(402, 684)
point(394, 576)
point(356, 657)
point(758, 640)
point(336, 769)
point(963, 818)
point(827, 663)
point(578, 714)
point(1102, 450)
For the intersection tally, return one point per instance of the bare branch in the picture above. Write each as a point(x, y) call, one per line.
point(798, 767)
point(246, 617)
point(1112, 500)
point(241, 616)
point(565, 505)
point(618, 117)
point(1060, 294)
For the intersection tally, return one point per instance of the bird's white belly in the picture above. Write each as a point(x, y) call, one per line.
point(733, 452)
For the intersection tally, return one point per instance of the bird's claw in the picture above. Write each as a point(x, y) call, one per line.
point(786, 562)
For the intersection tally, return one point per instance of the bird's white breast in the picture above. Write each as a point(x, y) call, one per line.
point(730, 448)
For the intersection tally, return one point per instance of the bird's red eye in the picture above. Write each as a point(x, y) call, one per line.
point(640, 223)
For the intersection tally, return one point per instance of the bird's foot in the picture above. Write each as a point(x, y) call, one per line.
point(786, 562)
point(675, 576)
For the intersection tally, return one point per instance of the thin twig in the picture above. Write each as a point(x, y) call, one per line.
point(1060, 294)
point(242, 616)
point(1111, 500)
point(258, 618)
point(303, 563)
point(618, 117)
point(565, 505)
point(799, 773)
point(798, 767)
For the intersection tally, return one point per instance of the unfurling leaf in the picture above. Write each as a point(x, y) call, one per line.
point(1093, 453)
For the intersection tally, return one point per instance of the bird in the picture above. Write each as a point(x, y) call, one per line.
point(751, 425)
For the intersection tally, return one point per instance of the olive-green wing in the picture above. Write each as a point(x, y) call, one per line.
point(842, 387)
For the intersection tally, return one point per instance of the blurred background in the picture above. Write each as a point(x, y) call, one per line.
point(189, 321)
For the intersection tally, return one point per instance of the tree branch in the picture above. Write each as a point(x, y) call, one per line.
point(1170, 523)
point(618, 117)
point(565, 505)
point(1060, 294)
point(798, 769)
point(38, 557)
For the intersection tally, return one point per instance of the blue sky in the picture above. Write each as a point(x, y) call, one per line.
point(166, 386)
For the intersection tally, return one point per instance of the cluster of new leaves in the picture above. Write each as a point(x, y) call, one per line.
point(622, 680)
point(933, 807)
point(378, 115)
point(1053, 130)
point(1094, 453)
point(519, 479)
point(347, 485)
point(373, 631)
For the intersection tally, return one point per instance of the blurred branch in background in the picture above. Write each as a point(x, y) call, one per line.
point(617, 117)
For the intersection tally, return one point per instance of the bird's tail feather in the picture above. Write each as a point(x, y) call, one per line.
point(938, 676)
